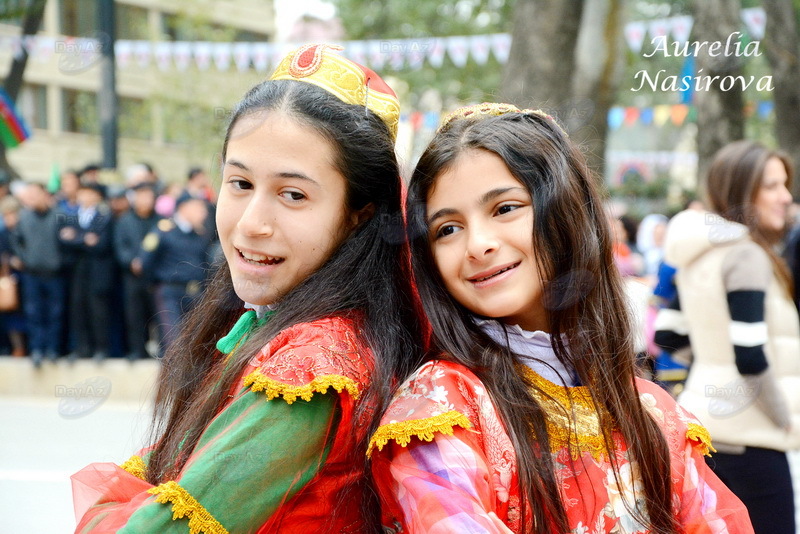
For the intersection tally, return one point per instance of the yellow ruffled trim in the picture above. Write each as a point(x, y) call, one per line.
point(184, 505)
point(402, 431)
point(135, 466)
point(699, 434)
point(258, 382)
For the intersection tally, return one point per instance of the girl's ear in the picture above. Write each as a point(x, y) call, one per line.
point(362, 215)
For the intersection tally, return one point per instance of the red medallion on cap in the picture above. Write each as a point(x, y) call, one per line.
point(308, 59)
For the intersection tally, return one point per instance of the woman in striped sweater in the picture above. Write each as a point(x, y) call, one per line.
point(737, 314)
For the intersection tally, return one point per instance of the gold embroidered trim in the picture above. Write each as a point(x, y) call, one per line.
point(258, 382)
point(184, 505)
point(424, 429)
point(699, 434)
point(135, 466)
point(572, 419)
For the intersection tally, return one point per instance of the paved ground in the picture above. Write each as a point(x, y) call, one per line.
point(41, 448)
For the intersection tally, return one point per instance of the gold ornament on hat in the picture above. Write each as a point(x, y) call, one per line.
point(320, 65)
point(492, 109)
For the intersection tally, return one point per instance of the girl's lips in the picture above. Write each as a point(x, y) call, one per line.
point(494, 275)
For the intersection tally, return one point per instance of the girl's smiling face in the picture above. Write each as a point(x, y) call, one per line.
point(282, 208)
point(480, 224)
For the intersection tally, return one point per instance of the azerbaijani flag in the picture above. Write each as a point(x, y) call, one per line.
point(12, 128)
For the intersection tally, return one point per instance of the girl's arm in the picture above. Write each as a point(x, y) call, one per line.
point(254, 456)
point(440, 486)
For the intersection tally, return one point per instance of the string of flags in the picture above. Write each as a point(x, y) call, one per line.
point(680, 27)
point(618, 116)
point(676, 114)
point(75, 54)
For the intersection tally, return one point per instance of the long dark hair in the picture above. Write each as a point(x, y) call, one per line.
point(734, 179)
point(366, 278)
point(585, 302)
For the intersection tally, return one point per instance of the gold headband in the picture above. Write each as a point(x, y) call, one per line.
point(491, 109)
point(350, 82)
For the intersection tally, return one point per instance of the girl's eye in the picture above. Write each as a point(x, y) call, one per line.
point(240, 184)
point(294, 196)
point(446, 230)
point(506, 208)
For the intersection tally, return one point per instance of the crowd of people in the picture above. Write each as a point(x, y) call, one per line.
point(103, 270)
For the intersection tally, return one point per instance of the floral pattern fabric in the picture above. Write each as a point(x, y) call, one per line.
point(463, 479)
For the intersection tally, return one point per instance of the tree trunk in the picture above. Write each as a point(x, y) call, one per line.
point(599, 66)
point(541, 62)
point(13, 82)
point(781, 48)
point(567, 58)
point(720, 113)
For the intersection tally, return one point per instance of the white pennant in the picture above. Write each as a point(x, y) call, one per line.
point(261, 56)
point(377, 58)
point(44, 48)
point(357, 51)
point(660, 27)
point(416, 51)
point(222, 55)
point(436, 52)
point(242, 52)
point(163, 54)
point(479, 47)
point(682, 28)
point(458, 50)
point(634, 35)
point(182, 54)
point(755, 18)
point(397, 54)
point(142, 51)
point(202, 54)
point(501, 47)
point(123, 51)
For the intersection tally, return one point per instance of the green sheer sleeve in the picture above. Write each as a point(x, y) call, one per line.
point(253, 457)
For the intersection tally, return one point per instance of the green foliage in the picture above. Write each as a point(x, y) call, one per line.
point(423, 19)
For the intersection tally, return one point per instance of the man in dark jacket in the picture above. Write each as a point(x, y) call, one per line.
point(175, 256)
point(129, 232)
point(87, 238)
point(35, 243)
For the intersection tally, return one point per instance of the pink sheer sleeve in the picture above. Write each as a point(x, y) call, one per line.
point(441, 486)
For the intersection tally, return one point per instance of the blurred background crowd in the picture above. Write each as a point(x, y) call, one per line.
point(102, 270)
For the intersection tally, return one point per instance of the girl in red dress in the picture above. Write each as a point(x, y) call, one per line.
point(532, 418)
point(264, 429)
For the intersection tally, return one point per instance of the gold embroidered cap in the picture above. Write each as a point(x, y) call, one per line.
point(491, 109)
point(319, 64)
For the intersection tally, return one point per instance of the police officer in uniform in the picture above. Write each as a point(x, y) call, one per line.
point(175, 256)
point(129, 232)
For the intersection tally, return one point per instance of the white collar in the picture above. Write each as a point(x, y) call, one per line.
point(535, 350)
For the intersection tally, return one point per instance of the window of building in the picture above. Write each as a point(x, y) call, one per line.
point(80, 111)
point(32, 105)
point(134, 119)
point(78, 18)
point(132, 22)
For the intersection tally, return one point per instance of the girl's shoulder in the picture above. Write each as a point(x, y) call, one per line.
point(438, 397)
point(678, 424)
point(313, 357)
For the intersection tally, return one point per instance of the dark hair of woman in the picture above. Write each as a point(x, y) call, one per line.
point(584, 298)
point(366, 278)
point(732, 185)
